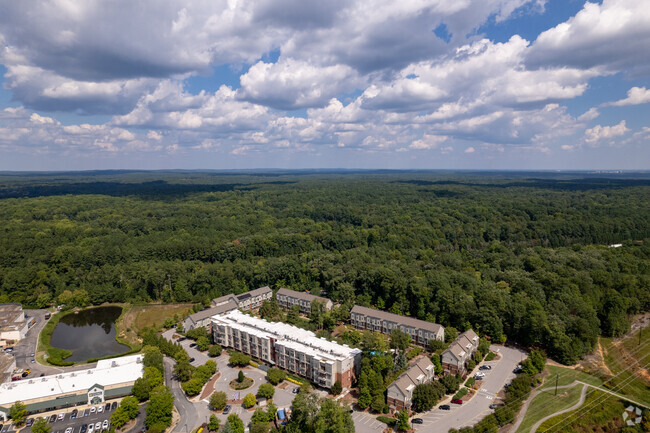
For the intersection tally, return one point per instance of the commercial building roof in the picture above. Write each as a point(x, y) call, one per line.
point(287, 335)
point(108, 372)
point(11, 317)
point(396, 318)
point(300, 295)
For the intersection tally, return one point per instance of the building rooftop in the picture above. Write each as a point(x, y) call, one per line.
point(11, 317)
point(219, 309)
point(396, 318)
point(409, 379)
point(108, 372)
point(6, 366)
point(288, 336)
point(300, 295)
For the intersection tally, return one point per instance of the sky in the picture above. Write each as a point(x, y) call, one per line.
point(408, 84)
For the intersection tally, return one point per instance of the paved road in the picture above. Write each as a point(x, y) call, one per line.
point(186, 410)
point(475, 409)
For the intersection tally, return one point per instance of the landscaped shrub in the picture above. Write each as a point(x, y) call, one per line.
point(387, 420)
point(275, 375)
point(461, 393)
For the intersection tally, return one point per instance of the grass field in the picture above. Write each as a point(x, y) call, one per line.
point(138, 317)
point(600, 412)
point(546, 403)
point(566, 376)
point(628, 360)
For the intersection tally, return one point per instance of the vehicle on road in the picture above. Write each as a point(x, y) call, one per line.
point(417, 421)
point(226, 409)
point(445, 407)
point(114, 405)
point(295, 390)
point(192, 360)
point(518, 369)
point(105, 425)
point(29, 370)
point(182, 339)
point(100, 409)
point(74, 413)
point(83, 428)
point(53, 418)
point(32, 355)
point(107, 407)
point(91, 427)
point(457, 401)
point(494, 406)
point(29, 422)
point(485, 367)
point(193, 345)
point(32, 361)
point(68, 430)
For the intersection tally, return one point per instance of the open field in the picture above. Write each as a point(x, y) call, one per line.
point(547, 403)
point(138, 317)
point(567, 376)
point(628, 359)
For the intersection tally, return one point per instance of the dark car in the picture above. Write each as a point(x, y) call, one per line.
point(5, 428)
point(86, 412)
point(84, 427)
point(114, 405)
point(53, 418)
point(445, 407)
point(29, 422)
point(107, 407)
point(74, 413)
point(193, 345)
point(494, 406)
point(295, 390)
point(182, 339)
point(485, 367)
point(417, 421)
point(226, 409)
point(457, 401)
point(1, 426)
point(42, 374)
point(192, 360)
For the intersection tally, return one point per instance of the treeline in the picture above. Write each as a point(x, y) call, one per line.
point(524, 259)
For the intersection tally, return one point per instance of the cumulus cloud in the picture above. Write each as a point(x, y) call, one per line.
point(599, 133)
point(635, 96)
point(469, 150)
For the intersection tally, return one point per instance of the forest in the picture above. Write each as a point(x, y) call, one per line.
point(519, 256)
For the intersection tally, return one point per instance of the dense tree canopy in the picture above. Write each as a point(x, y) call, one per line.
point(505, 254)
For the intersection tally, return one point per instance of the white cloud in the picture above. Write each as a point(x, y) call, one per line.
point(599, 133)
point(428, 141)
point(635, 96)
point(470, 150)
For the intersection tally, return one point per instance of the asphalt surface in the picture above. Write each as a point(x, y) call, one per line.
point(75, 424)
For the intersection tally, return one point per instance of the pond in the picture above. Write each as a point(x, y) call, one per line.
point(88, 334)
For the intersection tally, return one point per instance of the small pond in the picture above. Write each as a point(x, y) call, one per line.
point(88, 334)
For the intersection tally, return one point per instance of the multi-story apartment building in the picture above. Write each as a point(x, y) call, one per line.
point(454, 359)
point(287, 298)
point(288, 347)
point(251, 300)
point(400, 392)
point(421, 331)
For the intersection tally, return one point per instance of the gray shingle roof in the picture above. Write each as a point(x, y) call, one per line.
point(300, 295)
point(228, 306)
point(409, 377)
point(396, 318)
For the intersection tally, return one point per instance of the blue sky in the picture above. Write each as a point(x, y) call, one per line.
point(230, 84)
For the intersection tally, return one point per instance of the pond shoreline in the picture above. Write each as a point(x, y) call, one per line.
point(57, 356)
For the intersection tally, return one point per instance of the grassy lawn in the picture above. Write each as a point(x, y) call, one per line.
point(600, 412)
point(566, 376)
point(620, 356)
point(138, 317)
point(546, 403)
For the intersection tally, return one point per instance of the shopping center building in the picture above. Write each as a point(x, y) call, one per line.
point(111, 378)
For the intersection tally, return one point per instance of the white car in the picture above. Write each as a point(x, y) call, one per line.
point(91, 427)
point(100, 409)
point(98, 426)
point(105, 425)
point(61, 416)
point(93, 409)
point(68, 430)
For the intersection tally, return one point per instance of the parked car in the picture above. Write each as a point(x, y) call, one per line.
point(32, 361)
point(83, 428)
point(107, 407)
point(61, 416)
point(5, 428)
point(91, 427)
point(192, 359)
point(105, 424)
point(29, 422)
point(494, 406)
point(295, 390)
point(193, 345)
point(42, 374)
point(53, 418)
point(74, 413)
point(98, 426)
point(32, 355)
point(114, 405)
point(226, 409)
point(182, 339)
point(445, 407)
point(480, 374)
point(86, 412)
point(93, 410)
point(68, 430)
point(1, 426)
point(417, 421)
point(100, 409)
point(485, 367)
point(518, 369)
point(457, 401)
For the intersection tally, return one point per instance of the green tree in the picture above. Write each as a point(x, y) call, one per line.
point(119, 418)
point(214, 351)
point(235, 423)
point(266, 390)
point(41, 426)
point(239, 359)
point(18, 412)
point(293, 315)
point(202, 343)
point(399, 340)
point(240, 376)
point(159, 409)
point(183, 370)
point(336, 388)
point(332, 418)
point(275, 375)
point(218, 400)
point(130, 406)
point(153, 357)
point(260, 427)
point(403, 421)
point(450, 382)
point(425, 396)
point(213, 425)
point(249, 400)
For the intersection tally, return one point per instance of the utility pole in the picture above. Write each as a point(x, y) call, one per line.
point(640, 332)
point(557, 376)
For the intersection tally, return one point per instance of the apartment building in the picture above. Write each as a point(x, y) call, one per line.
point(454, 359)
point(293, 349)
point(250, 300)
point(287, 298)
point(421, 331)
point(13, 323)
point(400, 392)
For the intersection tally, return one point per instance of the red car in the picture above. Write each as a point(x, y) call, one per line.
point(457, 401)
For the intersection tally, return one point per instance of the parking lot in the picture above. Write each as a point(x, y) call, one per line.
point(64, 419)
